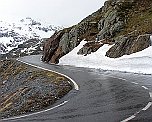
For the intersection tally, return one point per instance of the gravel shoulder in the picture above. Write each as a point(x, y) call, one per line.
point(25, 89)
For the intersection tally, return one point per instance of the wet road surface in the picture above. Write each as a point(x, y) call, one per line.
point(103, 96)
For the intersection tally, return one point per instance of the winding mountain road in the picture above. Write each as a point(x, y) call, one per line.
point(101, 96)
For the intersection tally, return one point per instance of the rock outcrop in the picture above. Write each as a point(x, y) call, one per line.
point(66, 40)
point(93, 46)
point(114, 21)
point(129, 44)
point(89, 47)
point(51, 46)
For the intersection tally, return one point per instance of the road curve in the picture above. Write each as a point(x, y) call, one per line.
point(102, 96)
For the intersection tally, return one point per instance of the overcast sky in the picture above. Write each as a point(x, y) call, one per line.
point(57, 12)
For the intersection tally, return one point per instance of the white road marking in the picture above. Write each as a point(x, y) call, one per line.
point(148, 106)
point(150, 93)
point(12, 118)
point(133, 116)
point(77, 88)
point(130, 118)
point(134, 83)
point(74, 83)
point(118, 78)
point(138, 112)
point(145, 87)
point(144, 109)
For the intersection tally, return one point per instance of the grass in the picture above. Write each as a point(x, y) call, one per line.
point(9, 68)
point(26, 95)
point(138, 18)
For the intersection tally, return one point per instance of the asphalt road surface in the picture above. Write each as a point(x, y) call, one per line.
point(103, 96)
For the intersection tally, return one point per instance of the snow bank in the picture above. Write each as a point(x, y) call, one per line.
point(13, 34)
point(151, 39)
point(140, 62)
point(6, 41)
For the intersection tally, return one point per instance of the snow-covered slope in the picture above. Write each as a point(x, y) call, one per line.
point(140, 62)
point(14, 34)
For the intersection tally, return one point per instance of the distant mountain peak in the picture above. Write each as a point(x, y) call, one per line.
point(14, 34)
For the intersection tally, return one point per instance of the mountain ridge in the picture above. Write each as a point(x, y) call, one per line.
point(116, 22)
point(17, 37)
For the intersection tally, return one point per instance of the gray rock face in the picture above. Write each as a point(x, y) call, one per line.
point(110, 24)
point(64, 43)
point(84, 51)
point(89, 47)
point(68, 40)
point(142, 42)
point(129, 44)
point(51, 46)
point(101, 24)
point(114, 17)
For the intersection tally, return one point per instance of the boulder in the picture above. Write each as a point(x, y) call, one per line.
point(89, 47)
point(142, 42)
point(50, 46)
point(129, 44)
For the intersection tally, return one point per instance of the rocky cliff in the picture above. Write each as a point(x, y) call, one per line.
point(123, 23)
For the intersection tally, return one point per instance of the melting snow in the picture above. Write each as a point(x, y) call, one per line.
point(151, 39)
point(13, 34)
point(140, 62)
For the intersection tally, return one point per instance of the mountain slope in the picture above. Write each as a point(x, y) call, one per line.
point(140, 62)
point(25, 89)
point(123, 23)
point(22, 36)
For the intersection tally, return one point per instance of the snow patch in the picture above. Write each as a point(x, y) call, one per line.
point(13, 34)
point(140, 62)
point(5, 41)
point(151, 40)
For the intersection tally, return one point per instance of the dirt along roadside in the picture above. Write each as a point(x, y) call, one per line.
point(25, 89)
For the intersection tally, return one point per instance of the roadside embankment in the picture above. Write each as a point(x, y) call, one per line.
point(25, 89)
